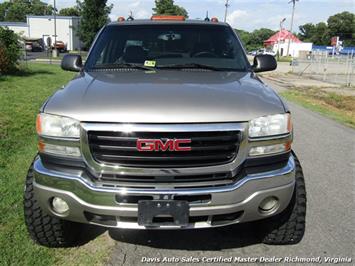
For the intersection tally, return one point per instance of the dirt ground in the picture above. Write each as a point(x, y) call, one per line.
point(289, 80)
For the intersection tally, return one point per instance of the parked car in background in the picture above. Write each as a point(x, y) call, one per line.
point(37, 47)
point(34, 45)
point(28, 46)
point(60, 46)
point(266, 51)
point(254, 52)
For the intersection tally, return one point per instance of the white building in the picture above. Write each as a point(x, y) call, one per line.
point(295, 48)
point(43, 27)
point(280, 40)
point(21, 28)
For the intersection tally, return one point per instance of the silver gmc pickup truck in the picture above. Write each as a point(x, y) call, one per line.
point(165, 126)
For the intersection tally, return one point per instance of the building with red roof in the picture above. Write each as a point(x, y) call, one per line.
point(284, 41)
point(282, 37)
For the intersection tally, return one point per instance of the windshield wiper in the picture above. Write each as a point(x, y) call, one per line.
point(191, 65)
point(122, 65)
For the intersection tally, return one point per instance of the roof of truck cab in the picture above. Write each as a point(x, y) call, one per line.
point(166, 22)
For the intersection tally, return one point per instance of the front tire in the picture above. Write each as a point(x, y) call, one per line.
point(46, 230)
point(289, 226)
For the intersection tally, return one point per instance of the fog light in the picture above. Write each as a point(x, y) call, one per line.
point(59, 205)
point(268, 204)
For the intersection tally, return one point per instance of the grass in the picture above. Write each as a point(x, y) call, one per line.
point(284, 59)
point(338, 107)
point(21, 96)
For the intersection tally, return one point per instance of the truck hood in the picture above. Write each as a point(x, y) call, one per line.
point(164, 96)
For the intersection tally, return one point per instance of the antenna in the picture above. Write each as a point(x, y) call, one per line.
point(130, 16)
point(207, 18)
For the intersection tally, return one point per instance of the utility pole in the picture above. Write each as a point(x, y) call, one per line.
point(226, 13)
point(291, 28)
point(279, 38)
point(55, 29)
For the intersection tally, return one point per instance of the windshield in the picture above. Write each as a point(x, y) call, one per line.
point(168, 46)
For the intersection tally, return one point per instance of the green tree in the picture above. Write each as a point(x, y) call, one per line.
point(321, 34)
point(39, 8)
point(94, 15)
point(70, 11)
point(167, 7)
point(254, 40)
point(244, 37)
point(315, 33)
point(9, 50)
point(343, 25)
point(258, 36)
point(306, 32)
point(3, 10)
point(16, 10)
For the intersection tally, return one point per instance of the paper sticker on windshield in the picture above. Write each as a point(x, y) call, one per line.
point(149, 63)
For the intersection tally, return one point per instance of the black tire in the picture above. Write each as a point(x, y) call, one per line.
point(46, 230)
point(288, 227)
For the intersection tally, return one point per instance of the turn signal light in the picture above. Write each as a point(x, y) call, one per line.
point(41, 146)
point(38, 124)
point(289, 124)
point(59, 150)
point(270, 149)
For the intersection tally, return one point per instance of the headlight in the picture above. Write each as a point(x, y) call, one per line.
point(270, 125)
point(57, 126)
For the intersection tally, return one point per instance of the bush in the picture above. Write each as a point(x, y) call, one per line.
point(10, 51)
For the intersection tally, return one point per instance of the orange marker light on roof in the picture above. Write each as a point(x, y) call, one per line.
point(173, 18)
point(214, 19)
point(120, 19)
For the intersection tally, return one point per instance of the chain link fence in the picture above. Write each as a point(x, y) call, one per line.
point(320, 65)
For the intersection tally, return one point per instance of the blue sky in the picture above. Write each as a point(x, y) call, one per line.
point(243, 14)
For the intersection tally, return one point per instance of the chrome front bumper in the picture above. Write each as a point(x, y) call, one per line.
point(85, 196)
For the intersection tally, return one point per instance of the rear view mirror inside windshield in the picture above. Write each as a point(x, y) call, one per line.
point(170, 36)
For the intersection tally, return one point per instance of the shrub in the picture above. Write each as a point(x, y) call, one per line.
point(10, 51)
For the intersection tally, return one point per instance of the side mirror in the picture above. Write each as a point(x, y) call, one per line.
point(72, 62)
point(264, 62)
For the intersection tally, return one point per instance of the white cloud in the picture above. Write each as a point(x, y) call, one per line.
point(243, 14)
point(235, 16)
point(134, 4)
point(142, 13)
point(139, 8)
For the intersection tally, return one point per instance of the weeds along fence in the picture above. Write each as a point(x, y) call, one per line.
point(320, 65)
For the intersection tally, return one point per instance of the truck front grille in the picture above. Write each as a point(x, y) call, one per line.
point(185, 181)
point(207, 148)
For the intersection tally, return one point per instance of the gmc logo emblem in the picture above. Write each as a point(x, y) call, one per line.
point(160, 145)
